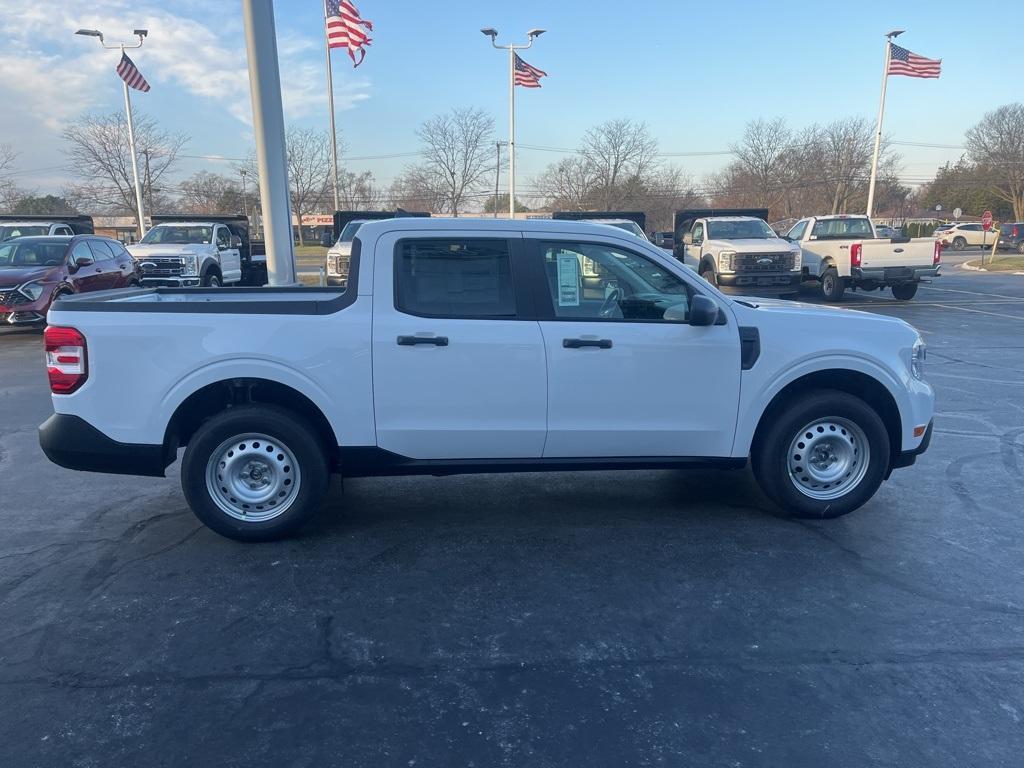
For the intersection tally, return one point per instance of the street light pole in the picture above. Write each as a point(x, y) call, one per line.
point(532, 35)
point(141, 33)
point(878, 127)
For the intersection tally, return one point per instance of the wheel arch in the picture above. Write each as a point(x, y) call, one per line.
point(218, 396)
point(210, 264)
point(858, 383)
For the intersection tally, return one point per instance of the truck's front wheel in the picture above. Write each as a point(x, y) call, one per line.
point(709, 274)
point(825, 455)
point(254, 473)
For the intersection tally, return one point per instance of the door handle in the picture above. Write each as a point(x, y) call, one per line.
point(897, 250)
point(577, 343)
point(409, 341)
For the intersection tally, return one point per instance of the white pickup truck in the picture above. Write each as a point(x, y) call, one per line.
point(463, 345)
point(844, 252)
point(188, 254)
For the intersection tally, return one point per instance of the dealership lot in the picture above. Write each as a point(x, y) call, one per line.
point(598, 619)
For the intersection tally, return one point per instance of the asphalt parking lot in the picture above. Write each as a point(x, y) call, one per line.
point(652, 618)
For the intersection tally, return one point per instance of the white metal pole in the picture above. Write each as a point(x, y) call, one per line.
point(497, 177)
point(135, 162)
point(330, 107)
point(878, 131)
point(512, 131)
point(271, 149)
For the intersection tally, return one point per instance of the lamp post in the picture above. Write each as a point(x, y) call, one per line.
point(878, 129)
point(245, 202)
point(532, 35)
point(141, 34)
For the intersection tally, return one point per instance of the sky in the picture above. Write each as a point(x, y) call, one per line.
point(694, 72)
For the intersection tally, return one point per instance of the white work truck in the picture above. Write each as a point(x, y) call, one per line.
point(183, 253)
point(843, 252)
point(461, 345)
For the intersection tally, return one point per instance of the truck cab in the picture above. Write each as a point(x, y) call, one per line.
point(12, 226)
point(742, 254)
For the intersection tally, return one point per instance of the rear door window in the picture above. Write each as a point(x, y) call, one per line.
point(101, 251)
point(455, 278)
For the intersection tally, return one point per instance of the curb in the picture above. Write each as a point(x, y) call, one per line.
point(967, 265)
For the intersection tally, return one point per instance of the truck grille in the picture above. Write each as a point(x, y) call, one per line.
point(763, 262)
point(339, 266)
point(161, 266)
point(11, 297)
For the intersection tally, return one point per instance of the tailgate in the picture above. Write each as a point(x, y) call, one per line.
point(877, 254)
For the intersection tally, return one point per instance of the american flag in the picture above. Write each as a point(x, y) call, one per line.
point(345, 28)
point(131, 75)
point(526, 75)
point(903, 62)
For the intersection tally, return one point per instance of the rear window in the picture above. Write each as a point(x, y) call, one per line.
point(454, 278)
point(841, 228)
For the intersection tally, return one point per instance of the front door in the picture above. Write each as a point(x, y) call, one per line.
point(627, 376)
point(457, 372)
point(230, 257)
point(88, 274)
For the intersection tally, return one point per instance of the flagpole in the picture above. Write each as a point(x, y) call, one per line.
point(330, 106)
point(878, 128)
point(511, 131)
point(135, 161)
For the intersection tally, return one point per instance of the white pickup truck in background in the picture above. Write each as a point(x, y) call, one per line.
point(188, 254)
point(843, 252)
point(462, 345)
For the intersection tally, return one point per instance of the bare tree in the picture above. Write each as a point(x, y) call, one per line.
point(97, 148)
point(357, 191)
point(763, 154)
point(415, 190)
point(567, 185)
point(457, 147)
point(206, 192)
point(619, 154)
point(997, 144)
point(10, 192)
point(309, 171)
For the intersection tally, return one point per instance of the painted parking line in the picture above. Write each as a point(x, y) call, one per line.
point(973, 293)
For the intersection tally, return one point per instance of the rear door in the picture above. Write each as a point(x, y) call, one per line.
point(458, 373)
point(624, 380)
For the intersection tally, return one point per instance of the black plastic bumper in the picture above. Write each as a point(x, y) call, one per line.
point(74, 443)
point(739, 283)
point(893, 275)
point(907, 458)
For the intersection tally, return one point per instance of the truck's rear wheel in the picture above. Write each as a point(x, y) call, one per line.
point(824, 456)
point(254, 473)
point(832, 285)
point(904, 291)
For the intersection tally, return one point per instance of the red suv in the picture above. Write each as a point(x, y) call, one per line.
point(36, 270)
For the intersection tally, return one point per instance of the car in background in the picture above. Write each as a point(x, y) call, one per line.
point(626, 224)
point(960, 236)
point(1011, 237)
point(941, 228)
point(339, 255)
point(35, 271)
point(887, 232)
point(21, 225)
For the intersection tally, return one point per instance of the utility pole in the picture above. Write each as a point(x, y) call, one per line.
point(532, 35)
point(268, 127)
point(141, 34)
point(245, 202)
point(497, 177)
point(330, 108)
point(878, 129)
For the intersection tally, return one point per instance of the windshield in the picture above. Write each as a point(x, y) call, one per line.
point(32, 254)
point(178, 235)
point(348, 234)
point(744, 229)
point(6, 233)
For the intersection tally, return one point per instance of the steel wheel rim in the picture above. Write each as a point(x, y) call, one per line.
point(253, 477)
point(828, 458)
point(828, 284)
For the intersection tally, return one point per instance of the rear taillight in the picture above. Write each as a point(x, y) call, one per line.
point(67, 363)
point(1015, 232)
point(937, 257)
point(855, 251)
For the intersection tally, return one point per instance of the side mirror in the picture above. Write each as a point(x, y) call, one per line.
point(703, 311)
point(84, 261)
point(236, 241)
point(688, 238)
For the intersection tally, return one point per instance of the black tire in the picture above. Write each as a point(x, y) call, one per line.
point(959, 243)
point(280, 426)
point(709, 274)
point(832, 285)
point(904, 291)
point(770, 455)
point(211, 280)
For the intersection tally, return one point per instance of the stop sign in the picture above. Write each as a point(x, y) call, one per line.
point(986, 220)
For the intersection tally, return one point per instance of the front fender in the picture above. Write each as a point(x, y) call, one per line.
point(756, 396)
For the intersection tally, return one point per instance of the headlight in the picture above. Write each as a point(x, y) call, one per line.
point(190, 265)
point(917, 357)
point(725, 261)
point(32, 290)
point(332, 264)
point(798, 259)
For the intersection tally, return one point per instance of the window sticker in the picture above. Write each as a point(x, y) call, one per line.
point(568, 280)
